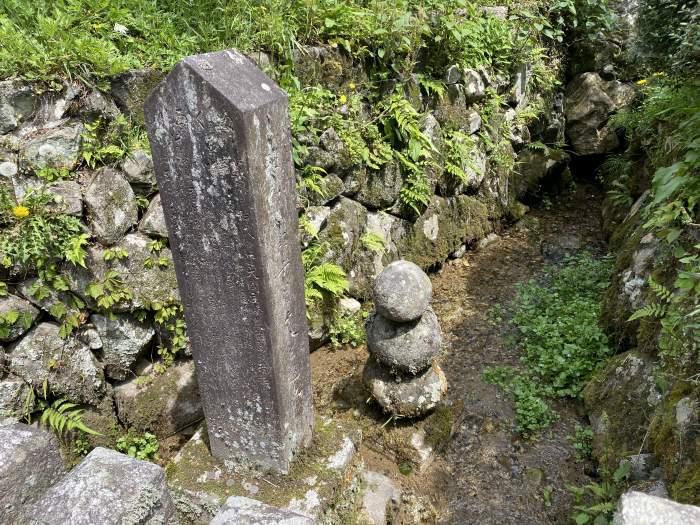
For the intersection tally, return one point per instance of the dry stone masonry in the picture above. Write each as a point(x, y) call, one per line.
point(219, 132)
point(404, 338)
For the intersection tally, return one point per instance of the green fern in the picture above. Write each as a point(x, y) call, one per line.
point(373, 242)
point(63, 416)
point(654, 310)
point(323, 281)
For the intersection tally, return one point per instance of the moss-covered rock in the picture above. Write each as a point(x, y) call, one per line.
point(675, 439)
point(620, 399)
point(442, 228)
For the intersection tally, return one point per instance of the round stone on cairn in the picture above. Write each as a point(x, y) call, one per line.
point(402, 292)
point(404, 337)
point(409, 396)
point(404, 347)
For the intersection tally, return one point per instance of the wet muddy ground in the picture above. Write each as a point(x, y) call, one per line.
point(481, 472)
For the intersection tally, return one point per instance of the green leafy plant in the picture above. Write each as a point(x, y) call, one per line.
point(374, 242)
point(63, 416)
point(562, 343)
point(348, 329)
point(144, 447)
point(110, 291)
point(324, 282)
point(595, 503)
point(582, 441)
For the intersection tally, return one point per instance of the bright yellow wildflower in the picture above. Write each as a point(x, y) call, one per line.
point(659, 74)
point(20, 211)
point(642, 82)
point(352, 85)
point(343, 99)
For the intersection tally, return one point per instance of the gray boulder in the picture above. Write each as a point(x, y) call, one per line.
point(408, 396)
point(316, 217)
point(165, 405)
point(17, 316)
point(69, 198)
point(66, 364)
point(474, 88)
point(521, 83)
point(111, 205)
point(380, 492)
point(329, 188)
point(472, 122)
point(17, 103)
point(123, 341)
point(474, 166)
point(404, 347)
point(402, 292)
point(637, 508)
point(138, 168)
point(15, 397)
point(53, 148)
point(245, 511)
point(382, 187)
point(30, 462)
point(453, 75)
point(589, 102)
point(107, 488)
point(343, 231)
point(153, 222)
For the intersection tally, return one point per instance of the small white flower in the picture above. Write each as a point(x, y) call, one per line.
point(122, 30)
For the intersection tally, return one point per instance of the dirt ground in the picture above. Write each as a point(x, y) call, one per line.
point(481, 472)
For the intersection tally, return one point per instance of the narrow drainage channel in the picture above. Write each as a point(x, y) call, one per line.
point(484, 473)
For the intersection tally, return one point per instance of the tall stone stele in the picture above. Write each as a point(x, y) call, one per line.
point(219, 133)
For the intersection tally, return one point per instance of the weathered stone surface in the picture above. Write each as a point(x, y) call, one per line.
point(451, 110)
point(123, 341)
point(149, 276)
point(245, 511)
point(329, 188)
point(138, 168)
point(382, 187)
point(153, 221)
point(222, 155)
point(15, 397)
point(642, 467)
point(618, 399)
point(453, 75)
point(343, 231)
point(556, 248)
point(474, 88)
point(405, 347)
point(472, 122)
point(402, 292)
point(111, 205)
point(316, 217)
point(96, 105)
point(131, 88)
point(589, 102)
point(23, 313)
point(405, 396)
point(67, 364)
point(637, 508)
point(69, 197)
point(53, 148)
point(166, 404)
point(521, 83)
point(107, 488)
point(380, 492)
point(17, 102)
point(30, 462)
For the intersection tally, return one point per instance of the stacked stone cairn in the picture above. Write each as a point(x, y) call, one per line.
point(404, 338)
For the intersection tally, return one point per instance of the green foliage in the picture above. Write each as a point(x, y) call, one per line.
point(63, 416)
point(110, 291)
point(458, 152)
point(667, 122)
point(33, 237)
point(595, 503)
point(324, 282)
point(348, 329)
point(582, 442)
point(97, 147)
point(10, 318)
point(561, 340)
point(53, 174)
point(373, 242)
point(143, 447)
point(170, 318)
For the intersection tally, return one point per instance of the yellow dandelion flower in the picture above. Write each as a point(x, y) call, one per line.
point(659, 74)
point(642, 82)
point(343, 99)
point(352, 85)
point(20, 211)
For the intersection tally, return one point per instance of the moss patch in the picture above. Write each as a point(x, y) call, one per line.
point(194, 471)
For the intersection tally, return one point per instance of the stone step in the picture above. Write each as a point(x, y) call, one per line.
point(245, 511)
point(106, 488)
point(30, 462)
